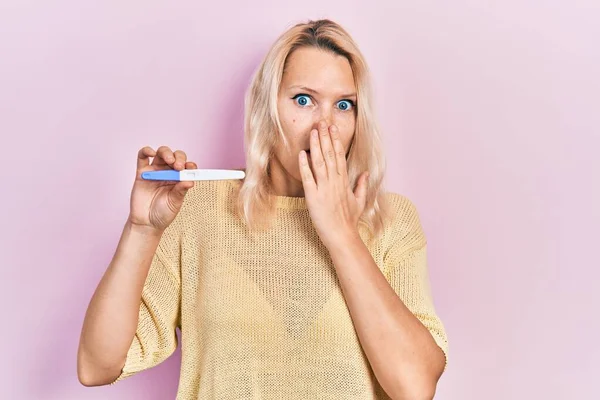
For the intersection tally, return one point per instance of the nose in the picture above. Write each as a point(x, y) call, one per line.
point(326, 114)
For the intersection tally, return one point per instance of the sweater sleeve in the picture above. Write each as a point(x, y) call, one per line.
point(159, 312)
point(405, 268)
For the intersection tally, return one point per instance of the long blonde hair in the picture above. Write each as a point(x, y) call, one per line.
point(255, 201)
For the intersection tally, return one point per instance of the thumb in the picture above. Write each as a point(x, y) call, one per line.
point(180, 189)
point(361, 190)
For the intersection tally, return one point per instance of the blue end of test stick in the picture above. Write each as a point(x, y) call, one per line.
point(164, 175)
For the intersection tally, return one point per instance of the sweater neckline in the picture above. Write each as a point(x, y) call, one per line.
point(290, 203)
point(282, 202)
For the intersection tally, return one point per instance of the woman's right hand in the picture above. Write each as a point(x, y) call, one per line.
point(155, 204)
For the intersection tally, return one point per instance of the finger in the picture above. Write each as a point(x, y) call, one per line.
point(180, 159)
point(308, 181)
point(340, 153)
point(191, 165)
point(327, 148)
point(316, 156)
point(164, 156)
point(143, 156)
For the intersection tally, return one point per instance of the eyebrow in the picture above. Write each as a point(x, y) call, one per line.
point(316, 92)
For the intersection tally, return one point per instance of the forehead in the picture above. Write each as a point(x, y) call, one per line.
point(317, 69)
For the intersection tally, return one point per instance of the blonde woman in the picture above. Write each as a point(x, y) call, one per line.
point(303, 281)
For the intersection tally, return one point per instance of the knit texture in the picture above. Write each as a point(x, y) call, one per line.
point(263, 317)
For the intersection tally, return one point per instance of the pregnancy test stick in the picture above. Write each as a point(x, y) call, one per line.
point(193, 175)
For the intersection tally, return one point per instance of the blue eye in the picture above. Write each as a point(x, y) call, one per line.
point(345, 105)
point(302, 99)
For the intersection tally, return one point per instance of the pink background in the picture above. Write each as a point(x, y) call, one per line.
point(491, 121)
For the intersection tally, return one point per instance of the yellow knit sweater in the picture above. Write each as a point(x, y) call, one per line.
point(265, 318)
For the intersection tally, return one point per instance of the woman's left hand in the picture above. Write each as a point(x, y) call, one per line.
point(333, 206)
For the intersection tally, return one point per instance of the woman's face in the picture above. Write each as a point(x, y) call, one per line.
point(316, 85)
